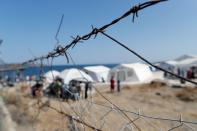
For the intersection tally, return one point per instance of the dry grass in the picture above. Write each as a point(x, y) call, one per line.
point(155, 99)
point(188, 94)
point(17, 100)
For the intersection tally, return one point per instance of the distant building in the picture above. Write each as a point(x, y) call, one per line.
point(12, 71)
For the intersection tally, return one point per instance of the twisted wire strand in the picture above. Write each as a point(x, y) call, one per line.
point(145, 60)
point(147, 116)
point(60, 51)
point(123, 113)
point(75, 119)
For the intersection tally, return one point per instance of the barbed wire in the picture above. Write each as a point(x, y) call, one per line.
point(145, 60)
point(59, 51)
point(146, 116)
point(63, 51)
point(131, 121)
point(71, 117)
point(58, 30)
point(139, 115)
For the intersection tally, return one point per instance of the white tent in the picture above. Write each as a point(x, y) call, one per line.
point(135, 72)
point(98, 73)
point(183, 62)
point(74, 74)
point(168, 65)
point(187, 62)
point(184, 57)
point(51, 75)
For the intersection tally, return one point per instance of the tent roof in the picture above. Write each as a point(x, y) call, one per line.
point(183, 61)
point(73, 73)
point(188, 61)
point(51, 73)
point(97, 69)
point(171, 62)
point(183, 57)
point(134, 65)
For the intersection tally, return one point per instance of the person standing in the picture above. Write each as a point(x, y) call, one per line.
point(118, 85)
point(88, 86)
point(189, 73)
point(86, 90)
point(182, 74)
point(112, 84)
point(78, 89)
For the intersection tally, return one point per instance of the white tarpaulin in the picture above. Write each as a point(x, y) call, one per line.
point(135, 72)
point(98, 73)
point(73, 74)
point(51, 75)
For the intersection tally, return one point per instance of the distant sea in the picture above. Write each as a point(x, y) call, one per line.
point(36, 70)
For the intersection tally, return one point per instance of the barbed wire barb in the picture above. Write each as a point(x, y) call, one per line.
point(180, 125)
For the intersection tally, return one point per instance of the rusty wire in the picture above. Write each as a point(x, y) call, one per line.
point(58, 51)
point(147, 116)
point(72, 117)
point(63, 51)
point(122, 112)
point(58, 30)
point(145, 60)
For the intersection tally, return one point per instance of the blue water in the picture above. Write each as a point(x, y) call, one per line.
point(36, 70)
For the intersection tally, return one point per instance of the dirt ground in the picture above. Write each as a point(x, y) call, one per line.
point(155, 99)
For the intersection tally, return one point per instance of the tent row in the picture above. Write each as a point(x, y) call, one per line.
point(136, 72)
point(183, 62)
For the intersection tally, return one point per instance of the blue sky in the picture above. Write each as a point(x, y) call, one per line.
point(161, 32)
